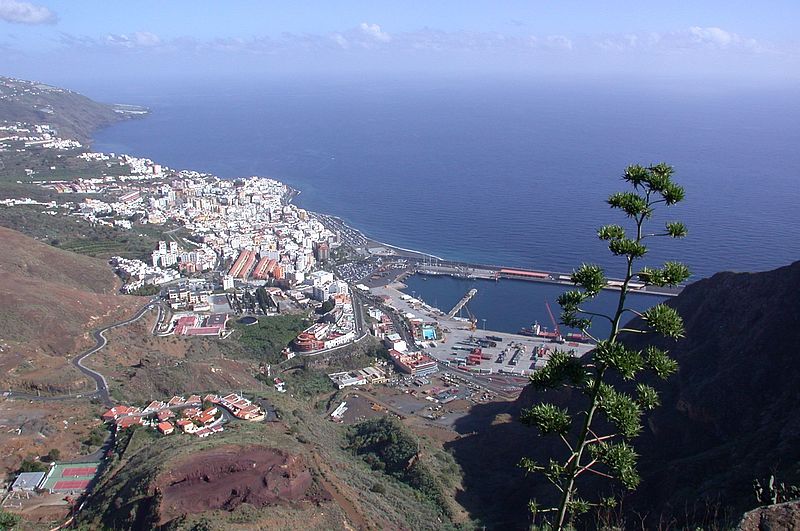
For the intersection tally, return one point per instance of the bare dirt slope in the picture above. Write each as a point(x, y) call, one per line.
point(226, 477)
point(51, 299)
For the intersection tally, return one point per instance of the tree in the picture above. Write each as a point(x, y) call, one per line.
point(327, 306)
point(607, 375)
point(29, 464)
point(8, 520)
point(54, 454)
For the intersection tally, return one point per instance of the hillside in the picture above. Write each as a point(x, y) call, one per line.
point(51, 300)
point(73, 115)
point(729, 417)
point(292, 474)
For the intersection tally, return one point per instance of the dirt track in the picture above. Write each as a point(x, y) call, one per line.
point(226, 477)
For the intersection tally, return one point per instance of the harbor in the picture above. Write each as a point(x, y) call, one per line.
point(501, 360)
point(472, 271)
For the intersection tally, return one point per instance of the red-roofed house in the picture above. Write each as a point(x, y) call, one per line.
point(187, 426)
point(204, 331)
point(175, 401)
point(207, 416)
point(164, 414)
point(115, 412)
point(127, 422)
point(194, 399)
point(155, 405)
point(184, 324)
point(166, 428)
point(190, 412)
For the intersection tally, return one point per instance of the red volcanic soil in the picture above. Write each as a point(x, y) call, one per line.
point(228, 476)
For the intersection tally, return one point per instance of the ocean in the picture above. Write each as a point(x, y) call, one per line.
point(503, 172)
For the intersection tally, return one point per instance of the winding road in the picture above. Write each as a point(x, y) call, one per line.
point(101, 385)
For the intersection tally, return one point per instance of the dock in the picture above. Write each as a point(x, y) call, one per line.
point(464, 300)
point(496, 273)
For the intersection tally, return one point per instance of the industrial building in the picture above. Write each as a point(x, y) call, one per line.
point(414, 363)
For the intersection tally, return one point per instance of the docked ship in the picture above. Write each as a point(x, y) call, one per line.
point(537, 330)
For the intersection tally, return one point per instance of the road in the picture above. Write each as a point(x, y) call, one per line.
point(101, 385)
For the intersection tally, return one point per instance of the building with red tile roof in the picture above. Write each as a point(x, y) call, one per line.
point(127, 422)
point(164, 414)
point(116, 411)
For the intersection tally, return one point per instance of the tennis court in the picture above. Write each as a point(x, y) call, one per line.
point(77, 472)
point(70, 477)
point(71, 484)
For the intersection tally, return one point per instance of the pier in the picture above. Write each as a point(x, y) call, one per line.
point(464, 300)
point(495, 273)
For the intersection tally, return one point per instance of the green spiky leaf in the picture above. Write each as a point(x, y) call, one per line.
point(621, 410)
point(620, 458)
point(632, 204)
point(659, 362)
point(627, 247)
point(618, 357)
point(610, 232)
point(636, 175)
point(590, 277)
point(647, 397)
point(676, 229)
point(570, 300)
point(673, 273)
point(664, 320)
point(561, 369)
point(548, 418)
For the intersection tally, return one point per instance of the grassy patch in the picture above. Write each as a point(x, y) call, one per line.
point(386, 446)
point(266, 339)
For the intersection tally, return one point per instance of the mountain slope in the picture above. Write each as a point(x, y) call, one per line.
point(73, 115)
point(729, 417)
point(51, 299)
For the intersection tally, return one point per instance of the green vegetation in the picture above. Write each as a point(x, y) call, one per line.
point(31, 465)
point(611, 378)
point(386, 446)
point(97, 436)
point(8, 520)
point(78, 235)
point(307, 383)
point(54, 454)
point(266, 339)
point(148, 290)
point(327, 306)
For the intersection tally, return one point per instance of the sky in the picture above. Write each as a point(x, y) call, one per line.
point(90, 41)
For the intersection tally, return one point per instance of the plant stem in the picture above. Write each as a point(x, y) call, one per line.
point(574, 465)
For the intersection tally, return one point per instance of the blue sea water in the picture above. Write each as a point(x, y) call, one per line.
point(511, 173)
point(508, 305)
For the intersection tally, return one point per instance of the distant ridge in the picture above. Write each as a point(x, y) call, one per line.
point(73, 115)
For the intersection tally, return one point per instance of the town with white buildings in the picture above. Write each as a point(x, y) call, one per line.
point(236, 236)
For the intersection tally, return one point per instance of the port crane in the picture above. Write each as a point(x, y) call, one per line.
point(559, 338)
point(472, 319)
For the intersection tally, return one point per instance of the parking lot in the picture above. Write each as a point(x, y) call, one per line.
point(513, 354)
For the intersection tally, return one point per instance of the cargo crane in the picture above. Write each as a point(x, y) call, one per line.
point(558, 338)
point(472, 319)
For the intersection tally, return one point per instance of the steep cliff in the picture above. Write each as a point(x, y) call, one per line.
point(730, 416)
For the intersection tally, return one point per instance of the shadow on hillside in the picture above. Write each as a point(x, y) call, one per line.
point(496, 491)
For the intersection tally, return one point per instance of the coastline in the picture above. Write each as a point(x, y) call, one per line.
point(375, 247)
